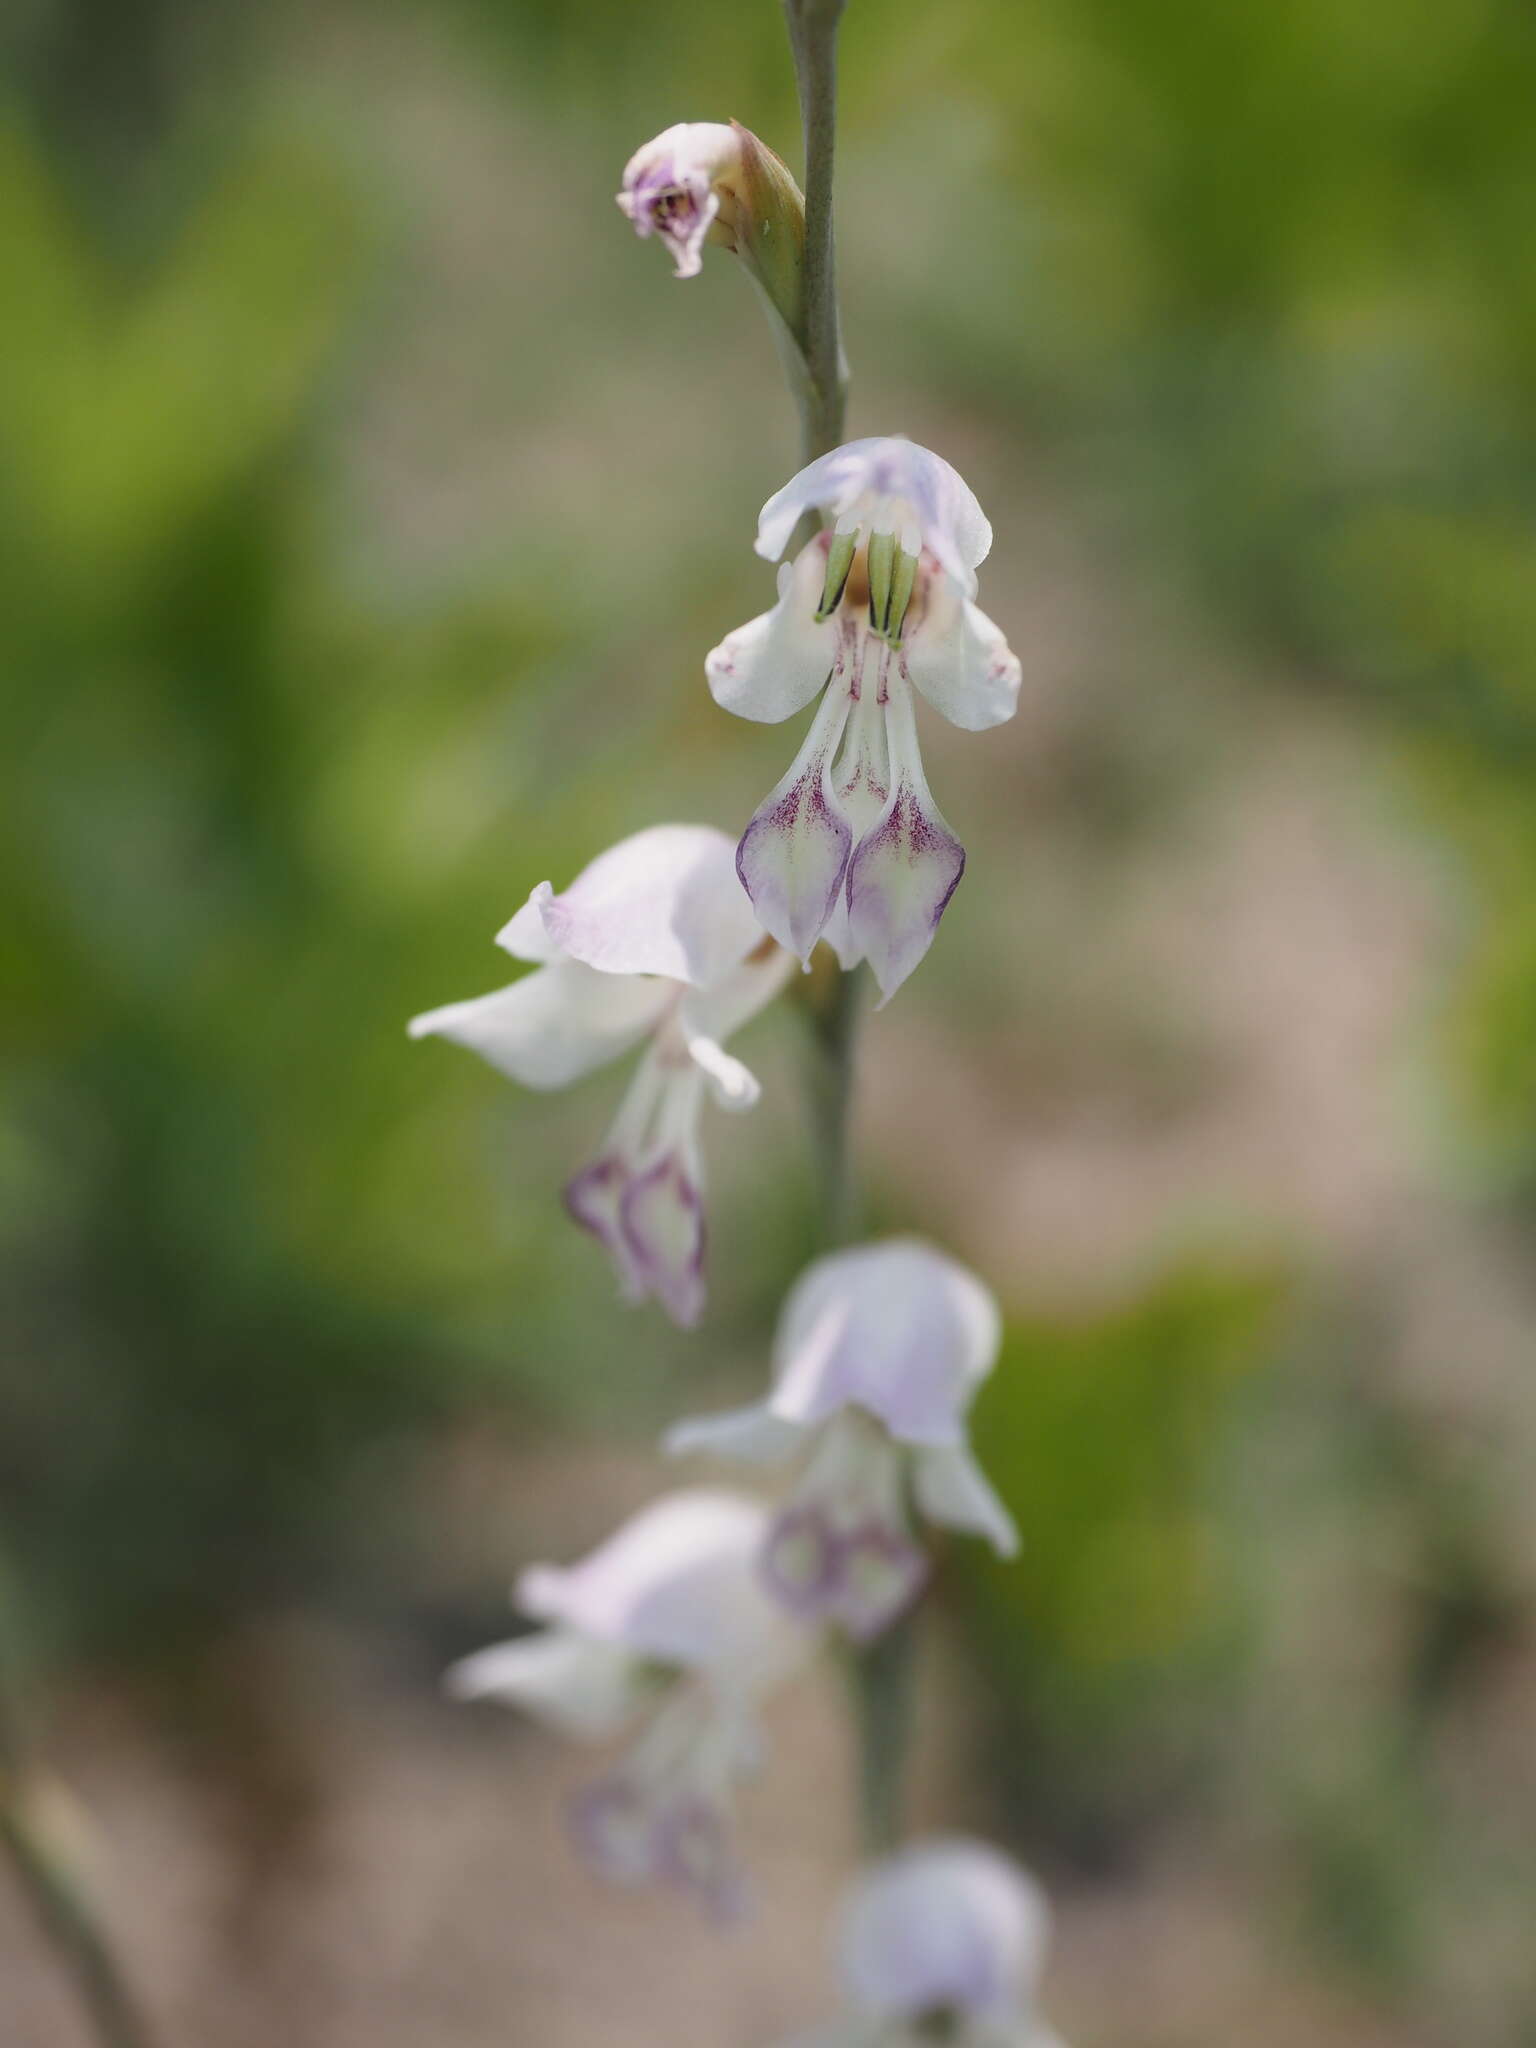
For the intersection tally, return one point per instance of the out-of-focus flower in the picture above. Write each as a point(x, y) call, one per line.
point(850, 846)
point(878, 1354)
point(653, 941)
point(664, 1629)
point(717, 182)
point(942, 1942)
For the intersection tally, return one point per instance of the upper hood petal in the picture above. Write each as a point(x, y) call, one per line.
point(949, 519)
point(949, 1923)
point(896, 1328)
point(678, 1583)
point(554, 1025)
point(664, 901)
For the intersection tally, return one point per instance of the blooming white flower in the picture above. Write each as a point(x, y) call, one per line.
point(652, 941)
point(878, 1354)
point(665, 1625)
point(942, 1942)
point(850, 845)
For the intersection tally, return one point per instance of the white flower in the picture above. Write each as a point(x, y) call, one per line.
point(878, 1354)
point(672, 188)
point(942, 1942)
point(665, 1625)
point(653, 941)
point(850, 846)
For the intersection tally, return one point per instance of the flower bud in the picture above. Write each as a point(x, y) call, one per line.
point(711, 181)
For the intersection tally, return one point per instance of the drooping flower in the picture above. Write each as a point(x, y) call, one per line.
point(942, 1942)
point(878, 1354)
point(850, 845)
point(655, 942)
point(663, 1631)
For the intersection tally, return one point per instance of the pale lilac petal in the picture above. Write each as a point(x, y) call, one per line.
point(880, 1573)
point(895, 1328)
point(664, 901)
point(553, 1026)
point(752, 1436)
point(794, 853)
point(774, 665)
point(883, 467)
point(584, 1688)
point(525, 935)
point(661, 1215)
point(952, 1490)
point(722, 1009)
point(904, 870)
point(959, 659)
point(678, 1584)
point(945, 1925)
point(667, 188)
point(594, 1198)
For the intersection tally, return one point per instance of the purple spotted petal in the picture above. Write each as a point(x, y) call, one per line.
point(901, 877)
point(661, 1216)
point(793, 856)
point(594, 1199)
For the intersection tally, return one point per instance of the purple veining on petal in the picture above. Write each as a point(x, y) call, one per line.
point(880, 1574)
point(594, 1199)
point(792, 859)
point(613, 1830)
point(800, 1561)
point(693, 1850)
point(862, 1578)
point(899, 882)
point(661, 1217)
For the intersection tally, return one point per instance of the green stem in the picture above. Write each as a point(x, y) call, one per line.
point(42, 1867)
point(813, 26)
point(882, 1676)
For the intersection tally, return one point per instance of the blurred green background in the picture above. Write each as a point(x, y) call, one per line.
point(368, 499)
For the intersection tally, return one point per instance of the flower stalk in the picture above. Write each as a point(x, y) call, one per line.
point(43, 1867)
point(882, 1675)
point(813, 26)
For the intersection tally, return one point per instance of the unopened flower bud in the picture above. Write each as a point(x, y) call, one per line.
point(712, 181)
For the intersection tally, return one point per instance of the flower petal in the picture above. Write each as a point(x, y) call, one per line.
point(667, 188)
point(553, 1026)
point(889, 467)
point(794, 853)
point(584, 1688)
point(959, 659)
point(895, 1328)
point(677, 1583)
point(754, 1436)
point(904, 870)
point(952, 1489)
point(594, 1199)
point(661, 1216)
point(773, 666)
point(664, 901)
point(949, 1924)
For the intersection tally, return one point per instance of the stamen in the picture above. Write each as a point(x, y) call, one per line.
point(840, 554)
point(882, 548)
point(903, 579)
